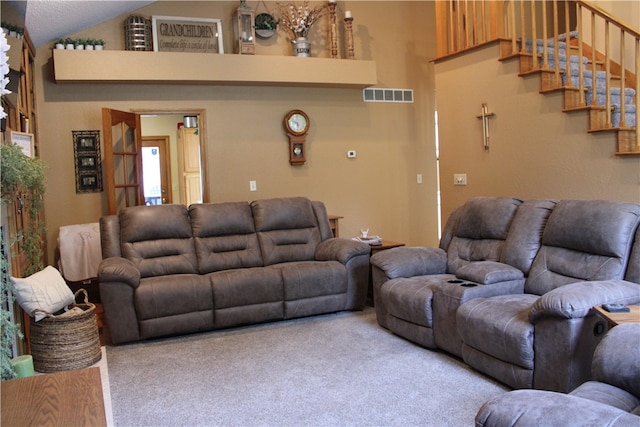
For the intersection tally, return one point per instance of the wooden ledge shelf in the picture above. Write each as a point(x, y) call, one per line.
point(121, 66)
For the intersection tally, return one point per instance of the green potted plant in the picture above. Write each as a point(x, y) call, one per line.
point(266, 25)
point(90, 43)
point(25, 175)
point(80, 44)
point(59, 43)
point(99, 45)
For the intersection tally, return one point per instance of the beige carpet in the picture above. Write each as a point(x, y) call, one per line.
point(332, 370)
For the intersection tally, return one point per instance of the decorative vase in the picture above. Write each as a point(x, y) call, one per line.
point(301, 47)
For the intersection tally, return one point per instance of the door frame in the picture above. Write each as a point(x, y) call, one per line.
point(202, 131)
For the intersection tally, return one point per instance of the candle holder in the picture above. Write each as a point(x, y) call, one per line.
point(348, 22)
point(333, 34)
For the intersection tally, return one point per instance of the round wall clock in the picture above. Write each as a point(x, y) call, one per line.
point(296, 122)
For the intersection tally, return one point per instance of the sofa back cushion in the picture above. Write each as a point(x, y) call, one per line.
point(633, 268)
point(525, 234)
point(225, 236)
point(583, 240)
point(110, 236)
point(287, 229)
point(157, 239)
point(481, 228)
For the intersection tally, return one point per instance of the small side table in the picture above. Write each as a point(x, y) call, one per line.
point(614, 319)
point(386, 244)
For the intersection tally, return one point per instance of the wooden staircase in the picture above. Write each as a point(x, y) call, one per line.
point(536, 40)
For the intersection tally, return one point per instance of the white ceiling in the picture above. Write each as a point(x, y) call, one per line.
point(48, 20)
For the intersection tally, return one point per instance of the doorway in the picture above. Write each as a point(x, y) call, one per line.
point(156, 170)
point(185, 170)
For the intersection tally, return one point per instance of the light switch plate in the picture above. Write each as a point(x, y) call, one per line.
point(459, 179)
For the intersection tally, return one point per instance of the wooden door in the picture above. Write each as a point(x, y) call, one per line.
point(191, 186)
point(122, 159)
point(161, 146)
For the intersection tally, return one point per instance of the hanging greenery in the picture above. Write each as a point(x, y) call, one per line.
point(22, 181)
point(10, 330)
point(24, 177)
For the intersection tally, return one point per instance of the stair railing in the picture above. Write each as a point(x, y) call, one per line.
point(463, 25)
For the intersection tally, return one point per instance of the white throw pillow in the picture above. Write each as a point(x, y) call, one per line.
point(45, 290)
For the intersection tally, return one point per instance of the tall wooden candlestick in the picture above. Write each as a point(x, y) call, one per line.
point(333, 30)
point(348, 22)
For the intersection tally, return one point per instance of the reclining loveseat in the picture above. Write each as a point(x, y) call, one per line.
point(511, 288)
point(611, 399)
point(170, 269)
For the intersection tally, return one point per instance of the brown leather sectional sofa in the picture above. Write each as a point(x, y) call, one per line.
point(170, 269)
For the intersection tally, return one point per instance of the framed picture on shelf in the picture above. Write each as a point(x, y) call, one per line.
point(180, 34)
point(24, 141)
point(86, 152)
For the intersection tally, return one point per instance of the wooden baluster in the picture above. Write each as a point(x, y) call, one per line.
point(523, 30)
point(594, 98)
point(623, 107)
point(581, 98)
point(512, 14)
point(556, 47)
point(607, 67)
point(545, 52)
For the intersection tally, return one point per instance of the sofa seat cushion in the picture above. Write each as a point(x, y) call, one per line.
point(245, 296)
point(245, 286)
point(410, 299)
point(607, 394)
point(172, 295)
point(308, 279)
point(499, 327)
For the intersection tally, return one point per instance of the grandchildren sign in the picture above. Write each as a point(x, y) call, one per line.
point(177, 34)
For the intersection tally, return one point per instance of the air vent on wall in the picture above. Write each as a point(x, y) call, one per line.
point(387, 95)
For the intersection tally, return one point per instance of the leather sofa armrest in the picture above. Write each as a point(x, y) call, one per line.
point(537, 407)
point(339, 249)
point(489, 272)
point(575, 300)
point(411, 261)
point(119, 270)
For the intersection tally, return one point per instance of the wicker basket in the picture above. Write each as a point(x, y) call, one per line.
point(68, 342)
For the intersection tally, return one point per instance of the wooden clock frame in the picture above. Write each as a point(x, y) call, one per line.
point(297, 139)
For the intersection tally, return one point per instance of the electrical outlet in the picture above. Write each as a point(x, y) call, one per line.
point(253, 186)
point(351, 154)
point(459, 179)
point(419, 178)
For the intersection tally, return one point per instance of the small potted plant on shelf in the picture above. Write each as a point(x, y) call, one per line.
point(99, 45)
point(90, 43)
point(69, 44)
point(80, 44)
point(59, 44)
point(266, 25)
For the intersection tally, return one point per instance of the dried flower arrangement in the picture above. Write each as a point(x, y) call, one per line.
point(298, 19)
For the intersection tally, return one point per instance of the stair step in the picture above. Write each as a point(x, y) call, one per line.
point(552, 80)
